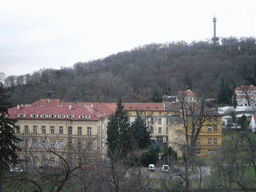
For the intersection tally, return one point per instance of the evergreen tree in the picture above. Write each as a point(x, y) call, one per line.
point(225, 93)
point(169, 155)
point(119, 132)
point(140, 133)
point(7, 138)
point(152, 155)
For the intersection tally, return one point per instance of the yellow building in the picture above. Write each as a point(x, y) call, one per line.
point(210, 136)
point(53, 132)
point(155, 117)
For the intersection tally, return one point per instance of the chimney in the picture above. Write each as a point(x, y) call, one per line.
point(18, 106)
point(70, 107)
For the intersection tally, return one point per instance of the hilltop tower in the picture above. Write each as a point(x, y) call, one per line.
point(215, 39)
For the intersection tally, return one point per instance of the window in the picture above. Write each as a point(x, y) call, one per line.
point(215, 152)
point(34, 116)
point(43, 161)
point(61, 116)
point(209, 141)
point(198, 152)
point(198, 141)
point(215, 141)
point(17, 129)
point(89, 130)
point(159, 121)
point(52, 116)
point(61, 144)
point(159, 129)
point(70, 130)
point(43, 129)
point(43, 144)
point(51, 160)
point(209, 152)
point(210, 129)
point(52, 129)
point(152, 120)
point(70, 116)
point(34, 144)
point(44, 116)
point(215, 118)
point(52, 144)
point(61, 130)
point(152, 128)
point(166, 130)
point(215, 128)
point(209, 118)
point(61, 161)
point(26, 143)
point(79, 130)
point(35, 129)
point(26, 129)
point(21, 115)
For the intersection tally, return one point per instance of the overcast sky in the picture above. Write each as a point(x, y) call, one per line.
point(57, 33)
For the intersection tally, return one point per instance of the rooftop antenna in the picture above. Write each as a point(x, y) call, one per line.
point(215, 39)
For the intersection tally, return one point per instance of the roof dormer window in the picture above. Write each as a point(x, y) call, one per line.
point(21, 115)
point(43, 116)
point(34, 116)
point(61, 116)
point(52, 116)
point(81, 116)
point(70, 116)
point(87, 116)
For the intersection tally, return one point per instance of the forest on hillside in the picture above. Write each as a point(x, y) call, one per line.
point(135, 75)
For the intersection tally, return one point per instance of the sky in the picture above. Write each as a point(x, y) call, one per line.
point(37, 34)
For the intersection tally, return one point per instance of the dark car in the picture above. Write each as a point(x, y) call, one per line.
point(174, 169)
point(45, 167)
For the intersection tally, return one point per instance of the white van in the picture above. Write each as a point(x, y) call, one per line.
point(165, 168)
point(151, 167)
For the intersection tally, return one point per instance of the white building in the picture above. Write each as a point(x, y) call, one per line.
point(246, 95)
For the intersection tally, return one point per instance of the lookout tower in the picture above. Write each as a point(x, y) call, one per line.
point(215, 39)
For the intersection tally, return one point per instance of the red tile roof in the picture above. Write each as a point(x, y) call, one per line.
point(187, 93)
point(75, 110)
point(246, 88)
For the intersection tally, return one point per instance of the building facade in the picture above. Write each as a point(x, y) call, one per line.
point(246, 95)
point(53, 132)
point(155, 117)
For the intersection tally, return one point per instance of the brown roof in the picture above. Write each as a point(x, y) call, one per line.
point(197, 110)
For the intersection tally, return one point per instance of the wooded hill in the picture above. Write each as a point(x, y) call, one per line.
point(137, 74)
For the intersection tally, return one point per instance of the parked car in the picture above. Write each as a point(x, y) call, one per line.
point(151, 167)
point(45, 167)
point(165, 168)
point(16, 170)
point(174, 169)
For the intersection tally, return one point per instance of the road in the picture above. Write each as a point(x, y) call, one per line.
point(158, 173)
